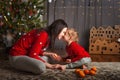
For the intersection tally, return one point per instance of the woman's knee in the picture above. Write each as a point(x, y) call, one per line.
point(40, 69)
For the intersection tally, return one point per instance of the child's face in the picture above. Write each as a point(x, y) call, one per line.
point(66, 37)
point(70, 35)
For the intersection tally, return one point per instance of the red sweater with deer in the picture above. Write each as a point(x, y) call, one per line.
point(76, 52)
point(31, 44)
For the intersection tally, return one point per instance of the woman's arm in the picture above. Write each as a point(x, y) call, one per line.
point(53, 55)
point(36, 48)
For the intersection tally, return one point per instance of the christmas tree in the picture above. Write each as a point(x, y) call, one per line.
point(20, 16)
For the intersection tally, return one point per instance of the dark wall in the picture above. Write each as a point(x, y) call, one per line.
point(83, 14)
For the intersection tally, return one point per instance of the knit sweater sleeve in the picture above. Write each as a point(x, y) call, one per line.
point(38, 44)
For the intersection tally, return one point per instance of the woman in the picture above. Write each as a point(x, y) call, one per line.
point(29, 52)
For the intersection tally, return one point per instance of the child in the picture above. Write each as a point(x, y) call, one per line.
point(77, 56)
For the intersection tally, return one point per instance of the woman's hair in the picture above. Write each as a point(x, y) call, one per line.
point(54, 29)
point(72, 34)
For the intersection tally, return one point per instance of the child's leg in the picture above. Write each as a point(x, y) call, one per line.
point(28, 64)
point(83, 61)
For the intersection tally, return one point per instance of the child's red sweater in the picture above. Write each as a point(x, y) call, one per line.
point(76, 52)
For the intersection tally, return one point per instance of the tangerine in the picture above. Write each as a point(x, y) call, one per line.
point(77, 70)
point(92, 72)
point(94, 68)
point(81, 74)
point(86, 71)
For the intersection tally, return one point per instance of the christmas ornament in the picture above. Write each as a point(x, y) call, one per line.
point(17, 12)
point(1, 16)
point(30, 12)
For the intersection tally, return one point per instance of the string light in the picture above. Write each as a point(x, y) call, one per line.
point(5, 18)
point(49, 1)
point(29, 16)
point(34, 6)
point(8, 13)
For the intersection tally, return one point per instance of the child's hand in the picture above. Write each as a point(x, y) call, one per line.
point(53, 55)
point(61, 67)
point(68, 60)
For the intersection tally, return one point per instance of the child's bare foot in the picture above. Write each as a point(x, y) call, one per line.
point(84, 66)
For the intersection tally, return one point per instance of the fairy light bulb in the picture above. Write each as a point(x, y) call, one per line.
point(49, 1)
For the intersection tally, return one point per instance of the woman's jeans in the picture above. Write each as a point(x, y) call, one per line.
point(26, 63)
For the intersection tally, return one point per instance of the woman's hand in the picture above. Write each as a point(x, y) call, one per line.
point(53, 55)
point(48, 65)
point(56, 57)
point(61, 67)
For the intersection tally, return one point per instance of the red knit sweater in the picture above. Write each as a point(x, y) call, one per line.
point(76, 52)
point(31, 44)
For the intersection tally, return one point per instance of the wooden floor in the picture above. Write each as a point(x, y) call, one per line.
point(105, 57)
